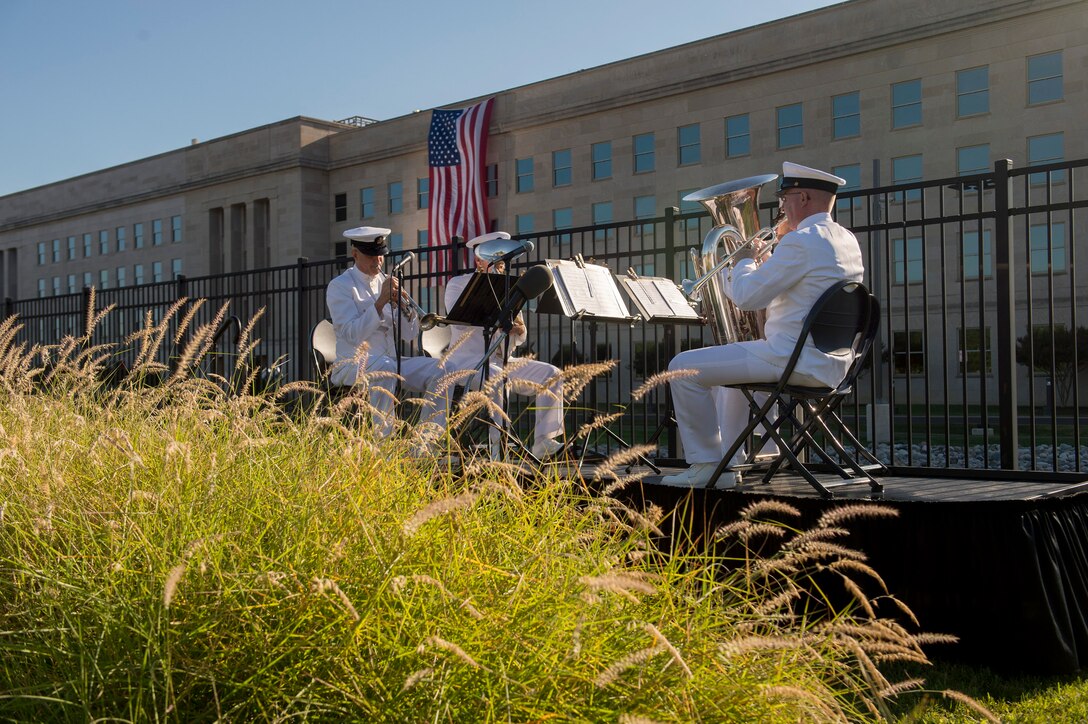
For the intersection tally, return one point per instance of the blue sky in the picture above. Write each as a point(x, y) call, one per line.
point(88, 84)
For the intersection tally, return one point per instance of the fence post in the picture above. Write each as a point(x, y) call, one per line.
point(1006, 318)
point(671, 340)
point(302, 326)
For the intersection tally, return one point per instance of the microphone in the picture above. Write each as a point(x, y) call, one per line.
point(407, 259)
point(530, 285)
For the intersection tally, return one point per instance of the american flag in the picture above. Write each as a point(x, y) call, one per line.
point(457, 147)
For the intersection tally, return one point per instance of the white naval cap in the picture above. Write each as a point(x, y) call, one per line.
point(369, 239)
point(476, 241)
point(796, 176)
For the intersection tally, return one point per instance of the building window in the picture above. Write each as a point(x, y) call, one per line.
point(175, 268)
point(846, 115)
point(689, 148)
point(909, 353)
point(974, 351)
point(340, 207)
point(1045, 78)
point(72, 284)
point(103, 242)
point(852, 174)
point(908, 260)
point(492, 180)
point(56, 250)
point(396, 197)
point(907, 104)
point(366, 202)
point(422, 240)
point(119, 232)
point(1046, 149)
point(41, 288)
point(138, 274)
point(41, 253)
point(87, 241)
point(523, 175)
point(138, 236)
point(738, 139)
point(71, 248)
point(602, 214)
point(120, 277)
point(523, 224)
point(972, 91)
point(601, 158)
point(561, 171)
point(175, 228)
point(156, 232)
point(905, 170)
point(423, 193)
point(1047, 247)
point(562, 219)
point(156, 271)
point(790, 126)
point(973, 159)
point(104, 279)
point(977, 260)
point(642, 147)
point(56, 286)
point(88, 279)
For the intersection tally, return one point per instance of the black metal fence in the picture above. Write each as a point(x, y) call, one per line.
point(981, 348)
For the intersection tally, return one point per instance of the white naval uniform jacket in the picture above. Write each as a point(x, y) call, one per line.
point(352, 301)
point(471, 351)
point(805, 263)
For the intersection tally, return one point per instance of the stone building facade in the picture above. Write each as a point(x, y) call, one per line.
point(880, 91)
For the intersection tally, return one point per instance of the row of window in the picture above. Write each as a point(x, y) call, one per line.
point(909, 354)
point(1045, 84)
point(1046, 254)
point(118, 279)
point(69, 250)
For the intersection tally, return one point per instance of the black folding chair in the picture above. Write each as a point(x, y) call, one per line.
point(845, 317)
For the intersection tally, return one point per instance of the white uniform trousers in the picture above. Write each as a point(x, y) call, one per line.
point(708, 430)
point(420, 375)
point(526, 379)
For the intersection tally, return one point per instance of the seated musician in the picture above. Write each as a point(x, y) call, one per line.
point(813, 253)
point(531, 377)
point(367, 306)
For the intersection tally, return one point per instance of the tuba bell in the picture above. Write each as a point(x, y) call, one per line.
point(734, 209)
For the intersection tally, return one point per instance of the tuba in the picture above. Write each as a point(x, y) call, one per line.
point(734, 209)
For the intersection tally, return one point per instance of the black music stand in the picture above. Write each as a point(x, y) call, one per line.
point(660, 301)
point(482, 304)
point(588, 292)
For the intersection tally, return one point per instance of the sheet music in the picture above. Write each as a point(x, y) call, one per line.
point(590, 289)
point(658, 297)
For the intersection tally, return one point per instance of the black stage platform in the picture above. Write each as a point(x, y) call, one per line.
point(1001, 562)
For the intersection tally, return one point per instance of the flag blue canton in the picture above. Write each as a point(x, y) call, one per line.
point(442, 139)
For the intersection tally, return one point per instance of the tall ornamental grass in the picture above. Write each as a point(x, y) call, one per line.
point(184, 552)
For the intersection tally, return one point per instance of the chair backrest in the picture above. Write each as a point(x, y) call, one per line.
point(840, 317)
point(323, 345)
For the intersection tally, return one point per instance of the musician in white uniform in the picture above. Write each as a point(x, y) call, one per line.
point(359, 302)
point(530, 377)
point(813, 253)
